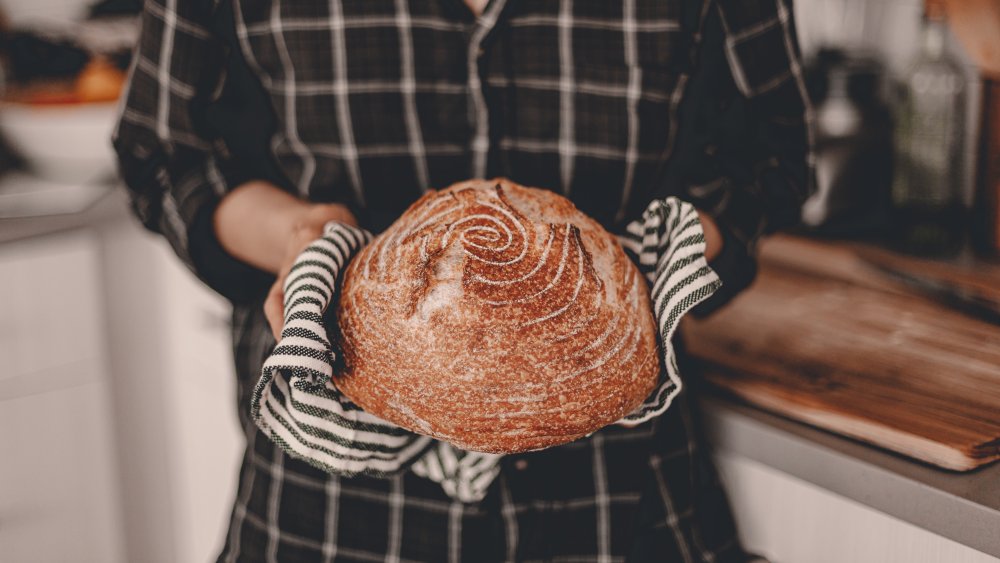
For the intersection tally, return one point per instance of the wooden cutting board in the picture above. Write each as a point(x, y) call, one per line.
point(823, 338)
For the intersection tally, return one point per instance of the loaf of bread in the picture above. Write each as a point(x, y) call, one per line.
point(498, 318)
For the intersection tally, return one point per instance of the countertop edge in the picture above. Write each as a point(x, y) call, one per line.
point(964, 507)
point(110, 206)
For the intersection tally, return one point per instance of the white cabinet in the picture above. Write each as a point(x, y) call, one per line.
point(201, 391)
point(58, 493)
point(790, 521)
point(120, 438)
point(175, 388)
point(50, 310)
point(59, 496)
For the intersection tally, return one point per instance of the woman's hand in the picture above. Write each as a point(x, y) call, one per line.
point(713, 246)
point(713, 238)
point(268, 228)
point(306, 230)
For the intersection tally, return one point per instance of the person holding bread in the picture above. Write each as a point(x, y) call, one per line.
point(248, 127)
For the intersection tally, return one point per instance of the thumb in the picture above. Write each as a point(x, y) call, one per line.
point(274, 309)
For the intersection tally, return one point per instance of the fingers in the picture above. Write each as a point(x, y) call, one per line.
point(303, 234)
point(274, 309)
point(322, 213)
point(274, 305)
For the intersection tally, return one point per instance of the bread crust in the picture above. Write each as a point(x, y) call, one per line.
point(498, 318)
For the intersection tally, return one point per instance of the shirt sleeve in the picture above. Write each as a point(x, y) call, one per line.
point(753, 168)
point(176, 168)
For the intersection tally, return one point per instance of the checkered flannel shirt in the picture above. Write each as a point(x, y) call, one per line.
point(371, 103)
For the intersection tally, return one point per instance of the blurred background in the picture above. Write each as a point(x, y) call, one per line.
point(858, 424)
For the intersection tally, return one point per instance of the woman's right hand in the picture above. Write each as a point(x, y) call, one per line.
point(304, 232)
point(268, 228)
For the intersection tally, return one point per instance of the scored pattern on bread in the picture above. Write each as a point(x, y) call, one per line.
point(295, 401)
point(498, 318)
point(297, 404)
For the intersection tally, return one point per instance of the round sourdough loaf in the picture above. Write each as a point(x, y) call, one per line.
point(498, 318)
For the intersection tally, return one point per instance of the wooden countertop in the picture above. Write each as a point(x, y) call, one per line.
point(825, 338)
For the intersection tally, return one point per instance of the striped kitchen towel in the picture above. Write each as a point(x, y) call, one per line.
point(297, 404)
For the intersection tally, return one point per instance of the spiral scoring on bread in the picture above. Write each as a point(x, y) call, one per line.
point(507, 264)
point(488, 288)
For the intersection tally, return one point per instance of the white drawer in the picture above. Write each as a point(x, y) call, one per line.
point(50, 303)
point(58, 478)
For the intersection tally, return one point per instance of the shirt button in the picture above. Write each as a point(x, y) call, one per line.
point(480, 52)
point(521, 464)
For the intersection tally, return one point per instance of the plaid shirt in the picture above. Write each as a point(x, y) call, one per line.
point(372, 102)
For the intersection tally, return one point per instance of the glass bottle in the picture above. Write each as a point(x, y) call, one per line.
point(853, 152)
point(927, 186)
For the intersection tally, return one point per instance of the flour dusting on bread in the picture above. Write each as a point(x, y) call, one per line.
point(499, 318)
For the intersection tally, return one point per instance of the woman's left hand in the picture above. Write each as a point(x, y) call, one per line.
point(713, 238)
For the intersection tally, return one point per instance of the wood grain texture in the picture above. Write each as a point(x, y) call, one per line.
point(836, 346)
point(970, 284)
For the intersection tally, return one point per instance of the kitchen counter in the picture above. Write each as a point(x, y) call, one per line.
point(964, 507)
point(840, 352)
point(96, 205)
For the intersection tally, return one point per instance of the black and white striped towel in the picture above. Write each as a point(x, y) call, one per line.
point(296, 403)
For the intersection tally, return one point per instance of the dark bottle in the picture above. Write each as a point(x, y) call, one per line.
point(927, 187)
point(986, 206)
point(853, 150)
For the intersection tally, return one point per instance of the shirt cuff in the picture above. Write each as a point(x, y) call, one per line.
point(735, 266)
point(236, 280)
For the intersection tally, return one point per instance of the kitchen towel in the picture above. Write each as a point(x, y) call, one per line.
point(297, 404)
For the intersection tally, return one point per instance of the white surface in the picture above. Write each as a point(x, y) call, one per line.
point(58, 473)
point(790, 521)
point(117, 398)
point(175, 390)
point(28, 12)
point(58, 485)
point(26, 195)
point(201, 394)
point(64, 143)
point(50, 300)
point(137, 358)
